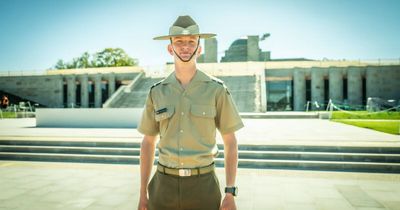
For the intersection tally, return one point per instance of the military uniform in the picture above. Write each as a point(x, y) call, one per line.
point(186, 120)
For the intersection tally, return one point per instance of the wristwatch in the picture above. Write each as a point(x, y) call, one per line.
point(232, 190)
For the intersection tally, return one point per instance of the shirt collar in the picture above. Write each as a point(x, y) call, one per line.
point(198, 77)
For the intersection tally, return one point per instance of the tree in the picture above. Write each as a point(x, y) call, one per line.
point(60, 64)
point(113, 57)
point(109, 57)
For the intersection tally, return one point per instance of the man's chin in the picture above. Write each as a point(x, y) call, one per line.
point(185, 59)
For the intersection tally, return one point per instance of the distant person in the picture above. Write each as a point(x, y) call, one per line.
point(4, 102)
point(185, 109)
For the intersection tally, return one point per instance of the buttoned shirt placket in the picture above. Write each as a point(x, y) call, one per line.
point(183, 110)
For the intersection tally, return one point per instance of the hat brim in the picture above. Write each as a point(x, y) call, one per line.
point(202, 36)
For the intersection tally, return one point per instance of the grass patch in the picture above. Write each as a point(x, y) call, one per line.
point(8, 115)
point(390, 126)
point(366, 115)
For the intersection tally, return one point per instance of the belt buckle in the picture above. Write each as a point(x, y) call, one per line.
point(185, 172)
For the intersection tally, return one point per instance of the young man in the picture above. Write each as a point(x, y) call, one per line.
point(185, 109)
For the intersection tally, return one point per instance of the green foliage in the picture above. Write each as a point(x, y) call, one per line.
point(387, 126)
point(8, 115)
point(366, 115)
point(109, 57)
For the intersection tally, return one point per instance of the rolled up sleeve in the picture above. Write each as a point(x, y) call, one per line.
point(227, 119)
point(148, 125)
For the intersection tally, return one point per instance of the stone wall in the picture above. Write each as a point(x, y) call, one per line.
point(45, 90)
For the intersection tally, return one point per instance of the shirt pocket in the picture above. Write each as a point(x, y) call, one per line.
point(163, 116)
point(203, 120)
point(205, 111)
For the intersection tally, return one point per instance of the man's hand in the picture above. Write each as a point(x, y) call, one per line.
point(228, 203)
point(143, 201)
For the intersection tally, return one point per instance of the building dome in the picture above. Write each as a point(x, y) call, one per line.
point(237, 51)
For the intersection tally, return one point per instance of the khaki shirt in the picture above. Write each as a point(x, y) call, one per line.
point(187, 119)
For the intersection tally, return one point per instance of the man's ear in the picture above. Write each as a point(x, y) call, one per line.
point(170, 50)
point(199, 50)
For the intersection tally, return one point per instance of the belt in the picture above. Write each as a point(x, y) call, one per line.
point(185, 171)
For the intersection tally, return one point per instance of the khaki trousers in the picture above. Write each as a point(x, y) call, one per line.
point(169, 192)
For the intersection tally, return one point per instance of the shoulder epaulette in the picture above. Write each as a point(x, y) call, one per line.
point(221, 83)
point(155, 84)
point(217, 80)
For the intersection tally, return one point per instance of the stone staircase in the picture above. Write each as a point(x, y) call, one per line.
point(321, 158)
point(243, 90)
point(134, 95)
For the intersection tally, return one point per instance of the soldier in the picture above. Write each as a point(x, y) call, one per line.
point(185, 109)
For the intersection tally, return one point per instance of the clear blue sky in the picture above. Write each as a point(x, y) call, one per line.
point(34, 34)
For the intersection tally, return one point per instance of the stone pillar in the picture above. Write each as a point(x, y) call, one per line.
point(299, 83)
point(336, 85)
point(60, 92)
point(210, 50)
point(97, 90)
point(253, 50)
point(317, 87)
point(372, 80)
point(354, 86)
point(71, 91)
point(111, 84)
point(84, 91)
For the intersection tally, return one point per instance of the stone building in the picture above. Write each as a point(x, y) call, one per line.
point(257, 82)
point(255, 86)
point(246, 49)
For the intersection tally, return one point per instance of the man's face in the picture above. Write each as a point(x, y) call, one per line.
point(184, 46)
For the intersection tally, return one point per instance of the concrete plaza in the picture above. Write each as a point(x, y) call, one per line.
point(69, 186)
point(44, 185)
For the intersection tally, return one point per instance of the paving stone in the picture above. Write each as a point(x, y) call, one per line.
point(299, 206)
point(77, 203)
point(99, 207)
point(392, 205)
point(58, 197)
point(10, 193)
point(357, 197)
point(333, 204)
point(112, 199)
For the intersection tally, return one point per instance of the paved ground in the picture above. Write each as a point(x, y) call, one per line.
point(70, 186)
point(256, 131)
point(40, 185)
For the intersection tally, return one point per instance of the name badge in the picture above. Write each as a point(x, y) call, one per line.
point(160, 111)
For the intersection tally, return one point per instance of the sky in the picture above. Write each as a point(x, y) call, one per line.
point(34, 34)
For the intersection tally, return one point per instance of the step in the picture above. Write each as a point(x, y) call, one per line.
point(308, 148)
point(318, 156)
point(71, 143)
point(281, 155)
point(70, 150)
point(243, 163)
point(51, 157)
point(317, 165)
point(272, 115)
point(318, 148)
